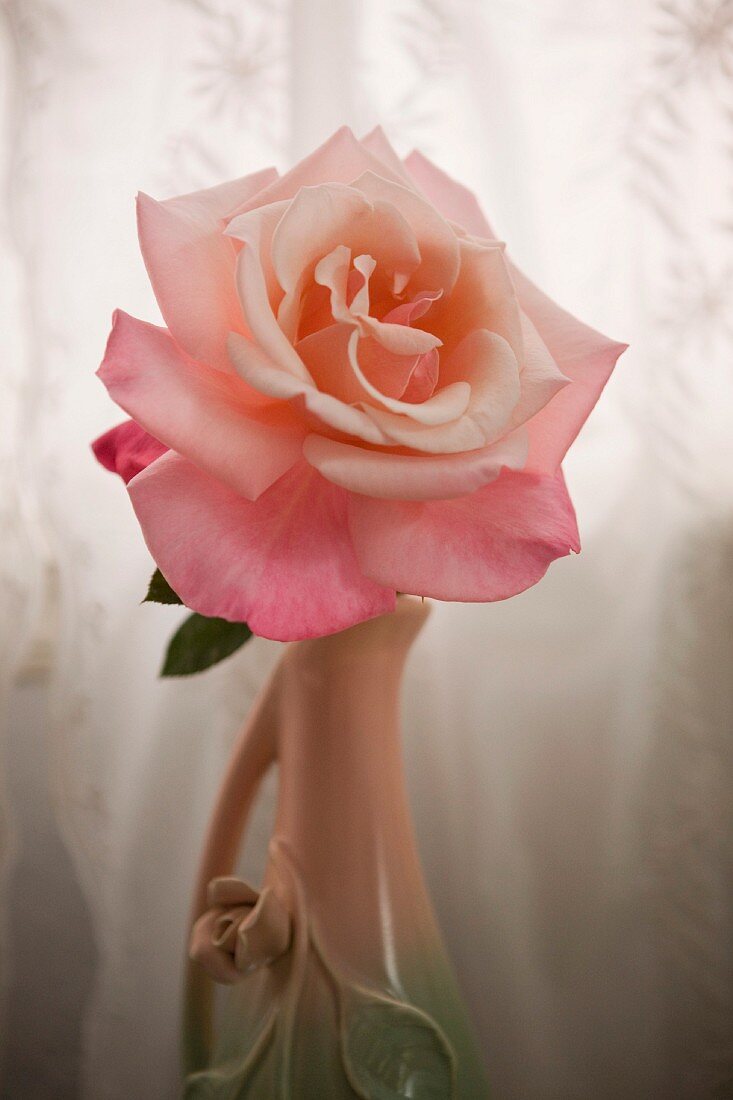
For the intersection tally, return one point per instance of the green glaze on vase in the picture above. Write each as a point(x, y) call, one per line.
point(363, 1002)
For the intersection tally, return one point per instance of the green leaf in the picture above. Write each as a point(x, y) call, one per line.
point(201, 642)
point(392, 1051)
point(159, 591)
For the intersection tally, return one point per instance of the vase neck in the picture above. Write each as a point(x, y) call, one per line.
point(340, 712)
point(343, 808)
point(370, 641)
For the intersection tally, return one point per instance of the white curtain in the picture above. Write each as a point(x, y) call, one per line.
point(570, 752)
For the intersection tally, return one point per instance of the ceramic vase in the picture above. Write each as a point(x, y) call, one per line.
point(335, 980)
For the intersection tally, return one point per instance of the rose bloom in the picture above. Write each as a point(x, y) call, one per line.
point(356, 393)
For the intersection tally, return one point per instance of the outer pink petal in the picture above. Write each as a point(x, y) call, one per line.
point(127, 449)
point(451, 198)
point(378, 144)
point(583, 355)
point(197, 411)
point(191, 265)
point(412, 477)
point(221, 200)
point(489, 545)
point(284, 564)
point(339, 160)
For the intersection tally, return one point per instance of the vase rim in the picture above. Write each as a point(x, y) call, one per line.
point(394, 628)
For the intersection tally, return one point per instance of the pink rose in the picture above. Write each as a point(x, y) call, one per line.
point(356, 393)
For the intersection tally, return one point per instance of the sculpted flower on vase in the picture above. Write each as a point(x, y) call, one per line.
point(241, 931)
point(356, 393)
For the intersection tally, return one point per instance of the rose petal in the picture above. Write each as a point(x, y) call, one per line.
point(451, 198)
point(540, 377)
point(332, 272)
point(490, 368)
point(127, 449)
point(315, 312)
point(259, 292)
point(445, 404)
point(357, 285)
point(483, 297)
point(258, 371)
point(423, 378)
point(412, 477)
point(388, 374)
point(321, 218)
point(488, 545)
point(408, 312)
point(326, 355)
point(377, 143)
point(284, 563)
point(438, 243)
point(191, 264)
point(398, 338)
point(317, 221)
point(393, 332)
point(314, 223)
point(339, 160)
point(219, 201)
point(582, 355)
point(348, 287)
point(200, 413)
point(462, 434)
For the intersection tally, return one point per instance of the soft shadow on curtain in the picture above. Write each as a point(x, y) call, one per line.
point(574, 744)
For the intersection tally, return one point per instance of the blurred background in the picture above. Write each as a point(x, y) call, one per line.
point(569, 752)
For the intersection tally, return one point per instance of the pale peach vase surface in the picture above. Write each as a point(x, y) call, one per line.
point(357, 997)
point(357, 394)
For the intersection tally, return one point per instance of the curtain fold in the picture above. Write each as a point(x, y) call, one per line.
point(569, 752)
